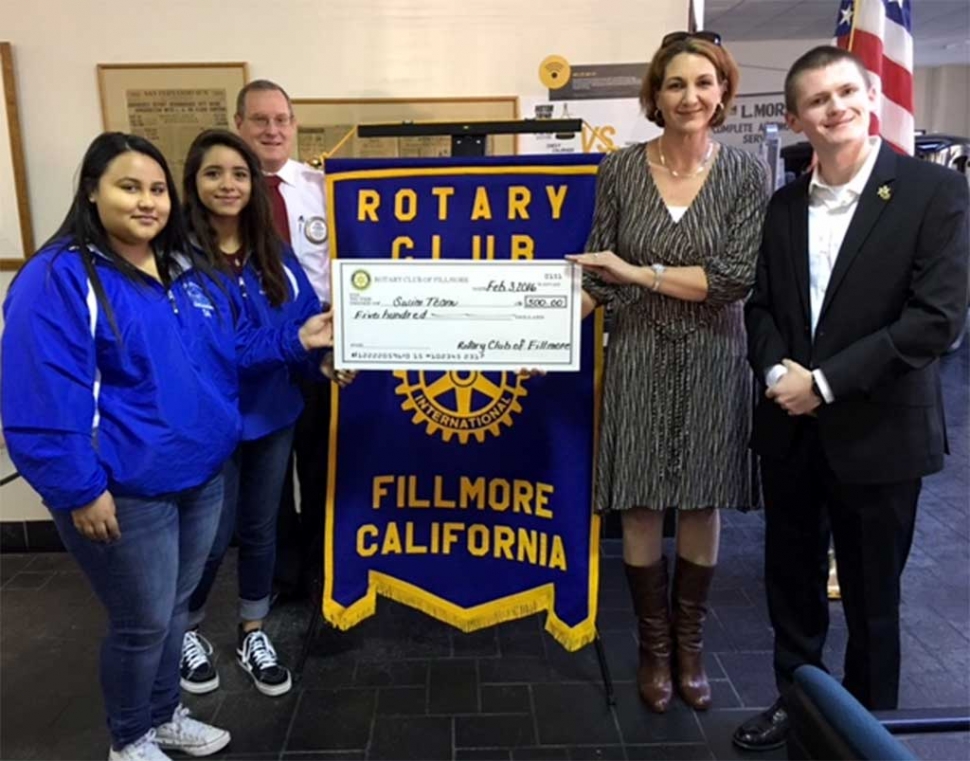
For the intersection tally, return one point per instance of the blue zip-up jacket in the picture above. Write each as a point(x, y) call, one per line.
point(269, 399)
point(153, 414)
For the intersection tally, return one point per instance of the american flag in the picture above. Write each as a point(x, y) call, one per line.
point(880, 33)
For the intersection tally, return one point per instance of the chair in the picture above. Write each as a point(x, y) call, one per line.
point(828, 723)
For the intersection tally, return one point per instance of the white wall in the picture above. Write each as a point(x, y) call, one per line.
point(18, 502)
point(764, 63)
point(943, 99)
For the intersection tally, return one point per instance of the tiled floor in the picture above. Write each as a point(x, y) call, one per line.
point(401, 686)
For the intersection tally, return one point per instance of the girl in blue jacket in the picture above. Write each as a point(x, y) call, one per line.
point(119, 394)
point(230, 218)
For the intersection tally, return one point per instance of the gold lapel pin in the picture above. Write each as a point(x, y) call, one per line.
point(884, 192)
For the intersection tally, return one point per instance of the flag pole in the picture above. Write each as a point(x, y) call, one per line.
point(855, 15)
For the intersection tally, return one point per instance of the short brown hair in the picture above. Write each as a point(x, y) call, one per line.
point(259, 85)
point(820, 57)
point(724, 65)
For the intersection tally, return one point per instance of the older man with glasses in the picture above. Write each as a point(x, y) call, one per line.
point(265, 120)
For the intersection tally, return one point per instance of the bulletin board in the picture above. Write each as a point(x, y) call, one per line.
point(170, 103)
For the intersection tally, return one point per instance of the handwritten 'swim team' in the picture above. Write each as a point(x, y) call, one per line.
point(162, 362)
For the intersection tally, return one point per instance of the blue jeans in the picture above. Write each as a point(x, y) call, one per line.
point(144, 579)
point(254, 482)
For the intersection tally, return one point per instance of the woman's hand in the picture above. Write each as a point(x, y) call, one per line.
point(317, 332)
point(342, 378)
point(97, 521)
point(609, 267)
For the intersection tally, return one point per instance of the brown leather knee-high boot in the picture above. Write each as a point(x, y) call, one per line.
point(648, 586)
point(692, 583)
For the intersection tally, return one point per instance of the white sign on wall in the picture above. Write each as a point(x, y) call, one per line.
point(749, 114)
point(607, 125)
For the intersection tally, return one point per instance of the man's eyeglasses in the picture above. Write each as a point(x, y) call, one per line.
point(712, 37)
point(263, 122)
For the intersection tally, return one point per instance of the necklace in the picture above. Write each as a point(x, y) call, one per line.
point(694, 173)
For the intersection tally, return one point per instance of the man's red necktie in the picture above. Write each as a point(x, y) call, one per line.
point(280, 218)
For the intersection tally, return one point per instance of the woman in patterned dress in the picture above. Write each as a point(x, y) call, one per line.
point(672, 252)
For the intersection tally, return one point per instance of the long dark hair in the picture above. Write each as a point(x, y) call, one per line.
point(82, 226)
point(257, 233)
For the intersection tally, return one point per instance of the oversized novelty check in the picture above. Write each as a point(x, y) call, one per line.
point(406, 314)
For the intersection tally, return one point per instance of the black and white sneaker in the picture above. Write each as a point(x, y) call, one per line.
point(198, 674)
point(258, 657)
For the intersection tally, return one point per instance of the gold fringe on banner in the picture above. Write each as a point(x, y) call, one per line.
point(481, 616)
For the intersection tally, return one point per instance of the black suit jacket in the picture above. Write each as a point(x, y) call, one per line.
point(896, 300)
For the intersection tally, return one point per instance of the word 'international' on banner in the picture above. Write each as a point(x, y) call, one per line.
point(466, 495)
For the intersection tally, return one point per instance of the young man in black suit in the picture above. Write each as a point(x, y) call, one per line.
point(861, 287)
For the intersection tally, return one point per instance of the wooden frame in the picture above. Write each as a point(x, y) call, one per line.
point(16, 225)
point(197, 96)
point(333, 120)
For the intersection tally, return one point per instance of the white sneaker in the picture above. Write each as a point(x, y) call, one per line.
point(142, 749)
point(187, 735)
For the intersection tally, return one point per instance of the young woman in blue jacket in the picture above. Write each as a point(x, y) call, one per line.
point(230, 220)
point(120, 374)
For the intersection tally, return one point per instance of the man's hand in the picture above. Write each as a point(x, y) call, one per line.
point(317, 332)
point(342, 378)
point(97, 521)
point(609, 267)
point(793, 392)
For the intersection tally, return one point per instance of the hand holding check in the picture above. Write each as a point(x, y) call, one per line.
point(342, 378)
point(607, 266)
point(317, 332)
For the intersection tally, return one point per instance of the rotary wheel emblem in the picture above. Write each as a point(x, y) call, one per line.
point(461, 404)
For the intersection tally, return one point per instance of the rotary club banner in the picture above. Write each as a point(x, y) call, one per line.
point(466, 495)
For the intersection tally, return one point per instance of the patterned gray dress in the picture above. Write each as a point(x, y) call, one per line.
point(678, 389)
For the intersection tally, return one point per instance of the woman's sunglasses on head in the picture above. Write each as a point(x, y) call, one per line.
point(713, 37)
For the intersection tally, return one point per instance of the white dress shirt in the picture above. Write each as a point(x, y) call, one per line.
point(304, 191)
point(830, 212)
point(677, 213)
